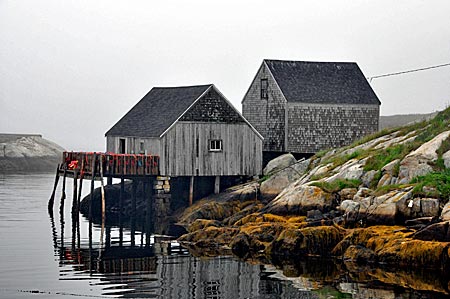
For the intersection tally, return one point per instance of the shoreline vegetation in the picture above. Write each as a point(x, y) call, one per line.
point(380, 202)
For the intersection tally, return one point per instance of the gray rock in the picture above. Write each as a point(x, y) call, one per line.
point(279, 163)
point(445, 214)
point(347, 193)
point(417, 163)
point(429, 207)
point(271, 187)
point(368, 177)
point(434, 232)
point(446, 158)
point(297, 200)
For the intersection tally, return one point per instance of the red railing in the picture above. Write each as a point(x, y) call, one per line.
point(112, 164)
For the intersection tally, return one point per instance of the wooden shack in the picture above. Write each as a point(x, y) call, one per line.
point(304, 107)
point(194, 130)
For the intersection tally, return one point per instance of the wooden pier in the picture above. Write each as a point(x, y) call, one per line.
point(108, 165)
point(97, 166)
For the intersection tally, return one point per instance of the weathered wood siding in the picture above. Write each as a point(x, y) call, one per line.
point(151, 145)
point(315, 127)
point(241, 153)
point(268, 116)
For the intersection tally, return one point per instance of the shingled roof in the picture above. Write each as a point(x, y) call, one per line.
point(157, 111)
point(322, 82)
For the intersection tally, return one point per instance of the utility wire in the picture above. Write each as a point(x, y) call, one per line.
point(409, 71)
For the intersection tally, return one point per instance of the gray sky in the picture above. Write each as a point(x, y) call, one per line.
point(70, 69)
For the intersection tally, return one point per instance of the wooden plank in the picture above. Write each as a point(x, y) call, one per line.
point(51, 201)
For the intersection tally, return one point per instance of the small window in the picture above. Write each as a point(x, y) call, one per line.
point(215, 145)
point(264, 89)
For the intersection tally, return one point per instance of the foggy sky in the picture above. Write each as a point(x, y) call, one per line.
point(70, 69)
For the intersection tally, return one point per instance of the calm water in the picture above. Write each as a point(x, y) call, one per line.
point(40, 257)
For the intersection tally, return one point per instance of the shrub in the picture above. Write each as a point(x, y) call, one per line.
point(438, 181)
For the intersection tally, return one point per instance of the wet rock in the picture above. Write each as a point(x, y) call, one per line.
point(311, 240)
point(279, 163)
point(421, 221)
point(314, 215)
point(203, 223)
point(434, 232)
point(360, 254)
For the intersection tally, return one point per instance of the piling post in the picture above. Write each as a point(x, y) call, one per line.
point(63, 194)
point(51, 201)
point(148, 195)
point(91, 199)
point(74, 208)
point(191, 191)
point(217, 184)
point(122, 191)
point(102, 188)
point(133, 212)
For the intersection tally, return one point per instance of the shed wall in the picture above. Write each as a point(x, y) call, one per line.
point(241, 154)
point(266, 115)
point(314, 127)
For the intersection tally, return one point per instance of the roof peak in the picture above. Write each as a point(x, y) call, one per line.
point(176, 87)
point(312, 62)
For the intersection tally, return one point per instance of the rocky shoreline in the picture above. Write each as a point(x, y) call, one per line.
point(381, 201)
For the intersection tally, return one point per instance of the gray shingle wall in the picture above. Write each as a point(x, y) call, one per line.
point(267, 116)
point(314, 127)
point(212, 108)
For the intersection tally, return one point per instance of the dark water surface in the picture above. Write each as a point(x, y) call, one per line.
point(39, 258)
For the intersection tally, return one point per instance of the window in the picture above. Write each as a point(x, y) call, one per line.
point(215, 145)
point(264, 89)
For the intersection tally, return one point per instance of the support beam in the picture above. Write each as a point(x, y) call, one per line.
point(133, 212)
point(102, 188)
point(63, 195)
point(122, 192)
point(217, 185)
point(191, 191)
point(51, 201)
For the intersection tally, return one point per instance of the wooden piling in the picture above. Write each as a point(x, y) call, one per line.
point(191, 191)
point(102, 188)
point(74, 208)
point(122, 191)
point(91, 199)
point(217, 185)
point(51, 201)
point(63, 194)
point(148, 194)
point(133, 212)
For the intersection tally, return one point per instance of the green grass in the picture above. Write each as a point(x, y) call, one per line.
point(382, 157)
point(440, 181)
point(337, 185)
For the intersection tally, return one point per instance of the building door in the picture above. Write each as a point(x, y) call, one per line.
point(122, 146)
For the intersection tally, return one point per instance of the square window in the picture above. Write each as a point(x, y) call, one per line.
point(215, 145)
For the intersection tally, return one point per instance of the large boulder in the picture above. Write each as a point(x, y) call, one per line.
point(279, 163)
point(300, 199)
point(272, 186)
point(417, 163)
point(434, 232)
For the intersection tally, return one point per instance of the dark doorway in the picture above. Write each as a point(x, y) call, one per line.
point(122, 147)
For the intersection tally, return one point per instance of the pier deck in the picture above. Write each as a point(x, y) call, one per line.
point(108, 165)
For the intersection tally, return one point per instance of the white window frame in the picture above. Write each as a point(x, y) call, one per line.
point(215, 145)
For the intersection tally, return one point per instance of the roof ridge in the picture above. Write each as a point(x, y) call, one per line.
point(186, 86)
point(305, 61)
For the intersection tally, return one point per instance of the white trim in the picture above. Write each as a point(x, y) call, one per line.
point(193, 103)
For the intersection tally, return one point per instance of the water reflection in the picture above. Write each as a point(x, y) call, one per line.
point(131, 262)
